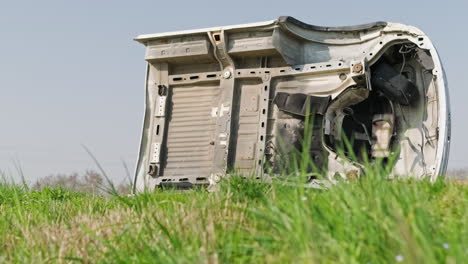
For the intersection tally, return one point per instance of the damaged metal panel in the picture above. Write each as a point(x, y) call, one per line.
point(237, 99)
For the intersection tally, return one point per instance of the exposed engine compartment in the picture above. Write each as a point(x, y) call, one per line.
point(366, 115)
point(249, 99)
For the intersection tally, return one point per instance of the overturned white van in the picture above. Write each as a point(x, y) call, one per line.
point(237, 98)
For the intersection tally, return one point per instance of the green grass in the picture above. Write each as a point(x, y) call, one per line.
point(370, 220)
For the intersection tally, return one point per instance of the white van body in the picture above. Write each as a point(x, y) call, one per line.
point(237, 99)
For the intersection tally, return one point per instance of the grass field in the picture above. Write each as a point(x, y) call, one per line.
point(370, 220)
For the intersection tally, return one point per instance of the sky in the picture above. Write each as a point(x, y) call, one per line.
point(72, 76)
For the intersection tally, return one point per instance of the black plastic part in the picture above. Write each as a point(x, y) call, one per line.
point(393, 84)
point(425, 59)
point(162, 90)
point(153, 170)
point(292, 20)
point(176, 185)
point(299, 104)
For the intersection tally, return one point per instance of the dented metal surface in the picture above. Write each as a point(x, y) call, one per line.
point(236, 99)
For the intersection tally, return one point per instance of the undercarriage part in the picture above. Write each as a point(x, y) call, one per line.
point(301, 104)
point(260, 99)
point(383, 128)
point(293, 137)
point(382, 131)
point(393, 84)
point(294, 141)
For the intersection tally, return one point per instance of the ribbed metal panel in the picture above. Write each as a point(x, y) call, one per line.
point(247, 139)
point(191, 129)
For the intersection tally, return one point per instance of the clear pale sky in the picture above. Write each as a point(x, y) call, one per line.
point(70, 73)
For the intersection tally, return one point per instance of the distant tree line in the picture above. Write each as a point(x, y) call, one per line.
point(90, 181)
